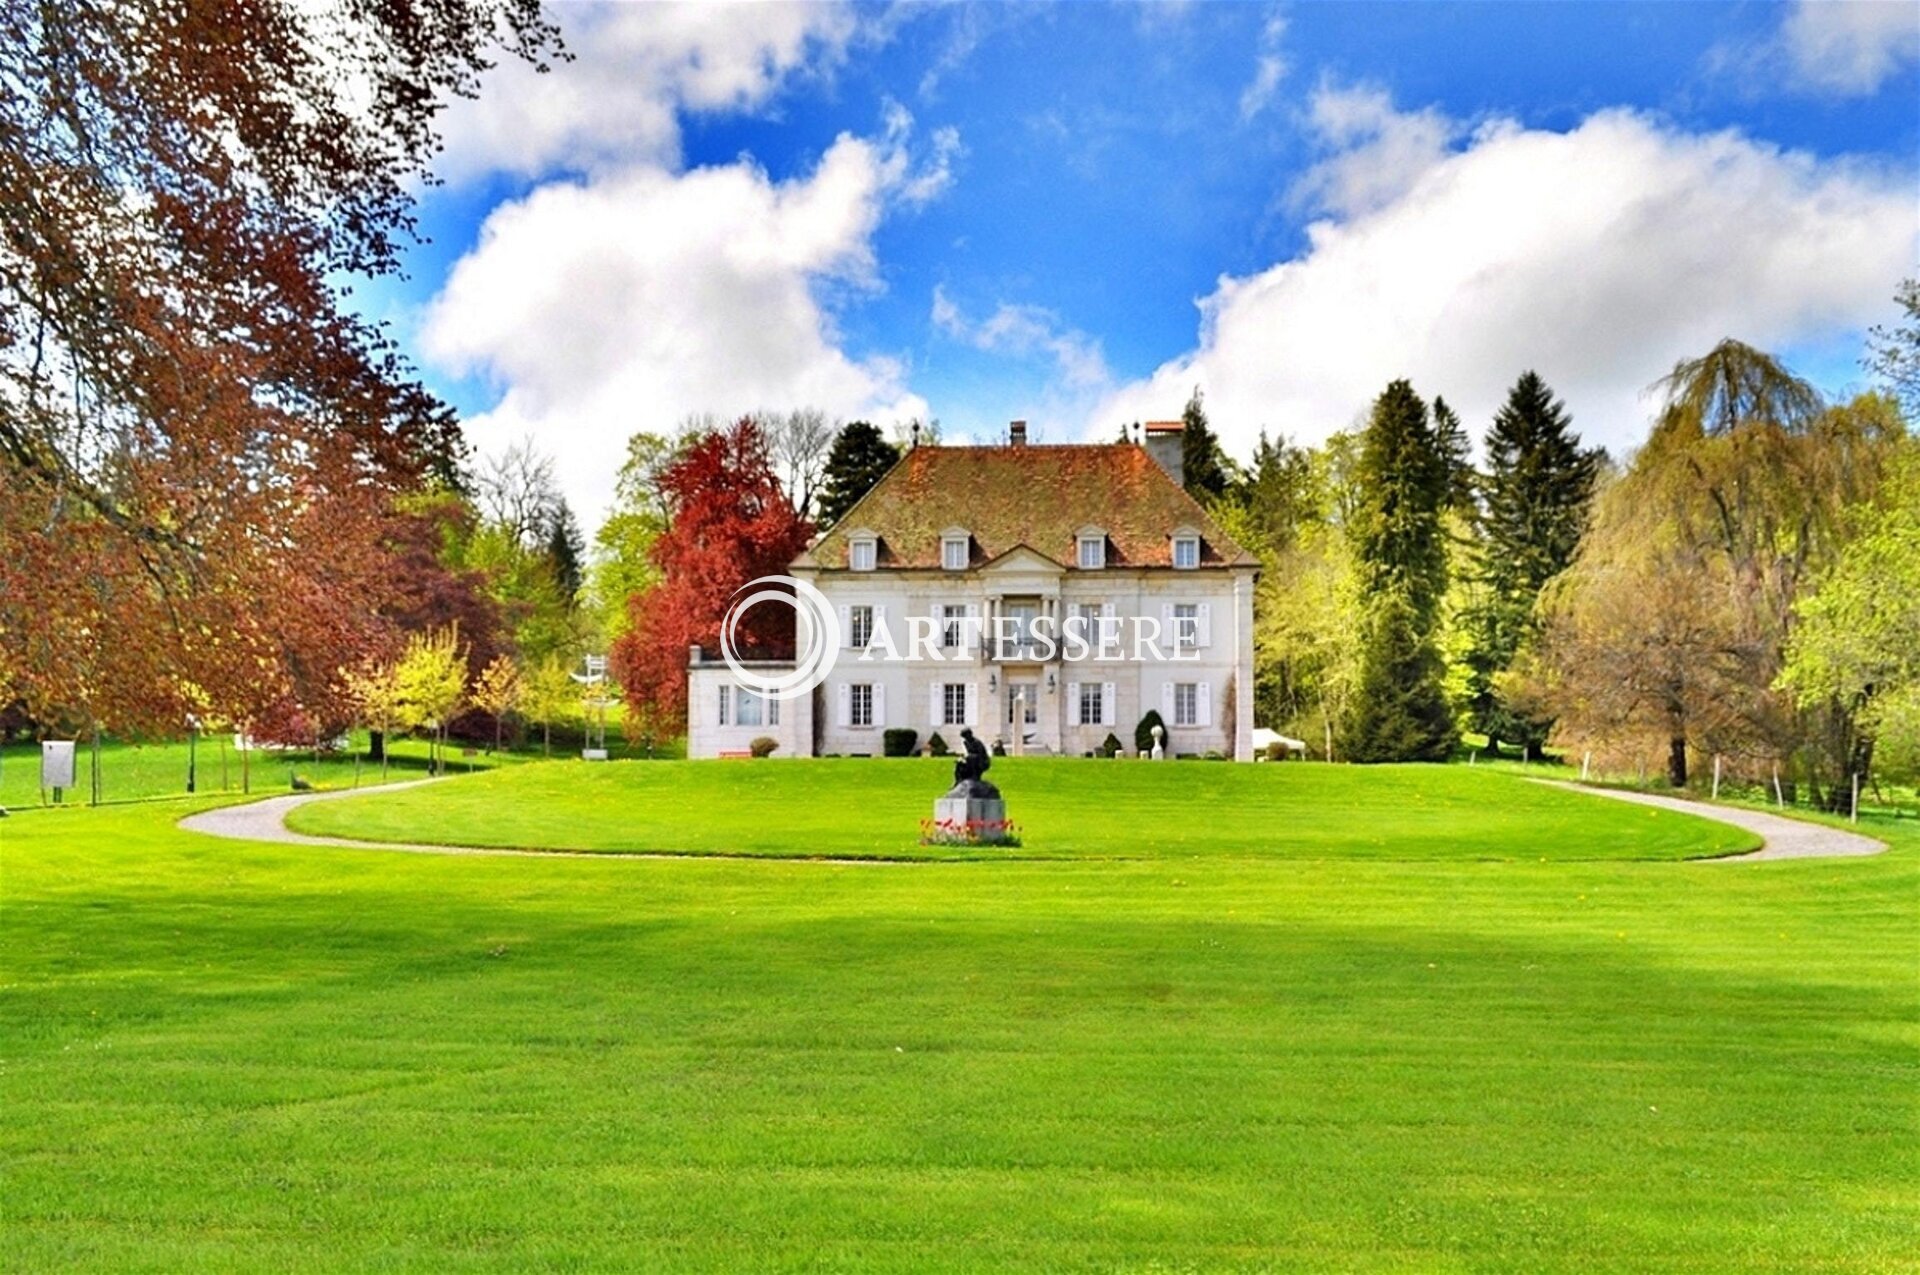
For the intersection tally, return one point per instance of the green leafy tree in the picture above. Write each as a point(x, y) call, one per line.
point(1674, 620)
point(431, 684)
point(497, 692)
point(1306, 611)
point(1535, 498)
point(1893, 353)
point(1858, 638)
point(1400, 710)
point(861, 455)
point(622, 563)
point(548, 694)
point(374, 689)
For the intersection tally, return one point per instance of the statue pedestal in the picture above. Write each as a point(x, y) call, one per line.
point(966, 810)
point(971, 813)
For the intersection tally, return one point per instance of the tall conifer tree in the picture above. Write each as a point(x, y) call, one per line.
point(860, 455)
point(1537, 490)
point(1400, 710)
point(1207, 471)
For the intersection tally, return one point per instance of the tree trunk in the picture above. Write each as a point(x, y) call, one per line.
point(546, 739)
point(377, 746)
point(1677, 761)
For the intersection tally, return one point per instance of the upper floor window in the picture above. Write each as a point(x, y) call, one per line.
point(859, 627)
point(1186, 552)
point(953, 620)
point(1093, 552)
point(1186, 624)
point(953, 553)
point(860, 555)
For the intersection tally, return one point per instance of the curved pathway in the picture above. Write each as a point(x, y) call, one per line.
point(267, 821)
point(1782, 838)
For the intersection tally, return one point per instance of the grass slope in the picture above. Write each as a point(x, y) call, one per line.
point(1066, 807)
point(228, 1057)
point(142, 772)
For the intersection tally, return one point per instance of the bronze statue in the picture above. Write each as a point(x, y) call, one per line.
point(973, 761)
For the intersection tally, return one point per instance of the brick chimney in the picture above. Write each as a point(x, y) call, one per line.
point(1164, 440)
point(1017, 433)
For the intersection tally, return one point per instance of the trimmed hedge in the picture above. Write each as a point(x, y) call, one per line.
point(1143, 733)
point(898, 741)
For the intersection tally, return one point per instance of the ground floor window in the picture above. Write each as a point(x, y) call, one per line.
point(1092, 704)
point(742, 707)
point(860, 704)
point(1186, 703)
point(953, 704)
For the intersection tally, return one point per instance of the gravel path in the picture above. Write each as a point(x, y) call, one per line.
point(267, 821)
point(1783, 838)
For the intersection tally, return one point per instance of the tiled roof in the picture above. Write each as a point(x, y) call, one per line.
point(1037, 496)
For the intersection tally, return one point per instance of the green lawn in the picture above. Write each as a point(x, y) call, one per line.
point(218, 1056)
point(1066, 808)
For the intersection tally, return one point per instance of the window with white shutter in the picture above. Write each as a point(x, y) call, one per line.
point(1186, 625)
point(953, 704)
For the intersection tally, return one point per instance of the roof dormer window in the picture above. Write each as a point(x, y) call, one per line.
point(862, 553)
point(1186, 552)
point(955, 549)
point(1092, 555)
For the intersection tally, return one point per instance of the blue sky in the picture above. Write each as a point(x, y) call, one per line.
point(1076, 213)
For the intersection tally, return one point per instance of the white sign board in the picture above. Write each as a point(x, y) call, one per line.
point(56, 763)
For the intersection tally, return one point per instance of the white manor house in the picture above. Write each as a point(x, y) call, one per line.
point(993, 556)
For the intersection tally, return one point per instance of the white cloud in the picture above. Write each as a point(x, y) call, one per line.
point(1379, 152)
point(632, 299)
point(1269, 68)
point(1841, 48)
point(1851, 46)
point(1024, 331)
point(1599, 257)
point(635, 68)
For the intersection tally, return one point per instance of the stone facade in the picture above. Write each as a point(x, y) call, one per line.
point(959, 548)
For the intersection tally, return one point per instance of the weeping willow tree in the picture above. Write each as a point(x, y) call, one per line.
point(1672, 625)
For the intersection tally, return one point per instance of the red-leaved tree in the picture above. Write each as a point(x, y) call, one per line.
point(729, 522)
